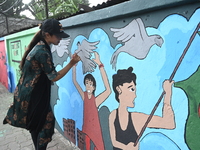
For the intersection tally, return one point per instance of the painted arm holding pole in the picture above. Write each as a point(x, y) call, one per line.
point(170, 79)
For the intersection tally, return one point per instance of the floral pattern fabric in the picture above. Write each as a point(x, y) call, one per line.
point(38, 61)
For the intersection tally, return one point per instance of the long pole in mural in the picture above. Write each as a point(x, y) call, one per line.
point(170, 79)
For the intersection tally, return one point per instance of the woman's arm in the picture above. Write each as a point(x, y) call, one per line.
point(104, 95)
point(64, 71)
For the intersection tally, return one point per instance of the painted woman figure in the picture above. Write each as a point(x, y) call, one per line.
point(91, 122)
point(125, 126)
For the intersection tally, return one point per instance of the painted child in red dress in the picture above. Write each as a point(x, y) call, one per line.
point(91, 122)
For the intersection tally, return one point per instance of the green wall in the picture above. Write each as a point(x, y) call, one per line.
point(16, 45)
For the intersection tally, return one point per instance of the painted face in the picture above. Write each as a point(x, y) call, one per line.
point(127, 94)
point(89, 86)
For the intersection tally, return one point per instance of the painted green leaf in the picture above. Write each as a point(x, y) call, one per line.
point(191, 87)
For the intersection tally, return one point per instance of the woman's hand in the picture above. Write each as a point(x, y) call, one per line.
point(62, 72)
point(75, 59)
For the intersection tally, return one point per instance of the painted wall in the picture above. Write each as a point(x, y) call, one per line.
point(149, 37)
point(3, 64)
point(15, 45)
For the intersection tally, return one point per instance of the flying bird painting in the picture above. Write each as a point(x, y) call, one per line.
point(61, 48)
point(136, 41)
point(84, 51)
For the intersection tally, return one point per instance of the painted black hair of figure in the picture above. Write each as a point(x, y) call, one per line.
point(123, 76)
point(91, 78)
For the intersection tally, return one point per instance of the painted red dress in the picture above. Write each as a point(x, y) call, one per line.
point(91, 123)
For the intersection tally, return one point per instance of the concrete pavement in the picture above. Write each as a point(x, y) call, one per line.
point(12, 138)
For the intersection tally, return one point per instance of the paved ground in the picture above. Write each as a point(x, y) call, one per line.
point(12, 138)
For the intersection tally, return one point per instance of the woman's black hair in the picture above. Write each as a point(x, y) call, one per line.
point(40, 35)
point(91, 78)
point(37, 37)
point(123, 76)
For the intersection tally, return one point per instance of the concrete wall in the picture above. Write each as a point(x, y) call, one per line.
point(148, 36)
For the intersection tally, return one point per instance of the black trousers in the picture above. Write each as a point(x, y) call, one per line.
point(34, 136)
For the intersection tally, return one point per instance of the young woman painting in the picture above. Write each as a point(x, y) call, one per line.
point(31, 106)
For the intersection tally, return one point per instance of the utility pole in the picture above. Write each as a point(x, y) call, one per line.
point(46, 9)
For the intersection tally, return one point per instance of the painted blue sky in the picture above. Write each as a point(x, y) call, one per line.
point(151, 72)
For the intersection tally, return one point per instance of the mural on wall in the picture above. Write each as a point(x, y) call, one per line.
point(91, 123)
point(136, 41)
point(15, 45)
point(3, 65)
point(108, 100)
point(15, 55)
point(84, 50)
point(61, 48)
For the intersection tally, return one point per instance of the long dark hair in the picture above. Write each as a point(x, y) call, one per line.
point(40, 35)
point(123, 76)
point(37, 37)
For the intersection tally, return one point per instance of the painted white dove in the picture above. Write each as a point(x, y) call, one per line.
point(136, 41)
point(61, 48)
point(84, 51)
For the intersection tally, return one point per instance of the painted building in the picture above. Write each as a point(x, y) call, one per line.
point(137, 84)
